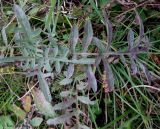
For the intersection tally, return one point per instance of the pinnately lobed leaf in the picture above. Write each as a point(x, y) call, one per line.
point(88, 35)
point(91, 78)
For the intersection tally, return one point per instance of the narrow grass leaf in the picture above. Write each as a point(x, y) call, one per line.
point(91, 78)
point(88, 35)
point(6, 122)
point(85, 100)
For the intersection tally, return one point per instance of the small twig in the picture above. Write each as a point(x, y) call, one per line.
point(28, 91)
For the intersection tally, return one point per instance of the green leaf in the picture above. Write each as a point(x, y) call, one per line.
point(61, 119)
point(44, 86)
point(58, 67)
point(64, 105)
point(88, 35)
point(65, 81)
point(4, 36)
point(22, 18)
point(130, 39)
point(99, 44)
point(109, 30)
point(85, 100)
point(49, 17)
point(91, 78)
point(65, 93)
point(42, 104)
point(74, 38)
point(36, 121)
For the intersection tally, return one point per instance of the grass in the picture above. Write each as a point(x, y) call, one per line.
point(132, 104)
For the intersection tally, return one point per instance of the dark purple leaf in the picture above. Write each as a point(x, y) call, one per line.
point(109, 74)
point(91, 78)
point(88, 35)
